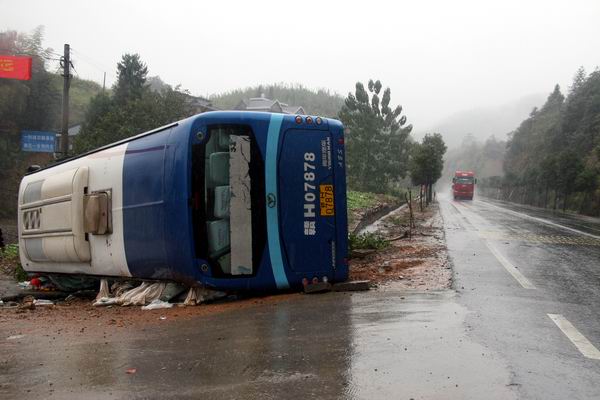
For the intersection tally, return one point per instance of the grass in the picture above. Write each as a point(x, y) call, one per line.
point(9, 260)
point(10, 251)
point(367, 241)
point(360, 199)
point(400, 220)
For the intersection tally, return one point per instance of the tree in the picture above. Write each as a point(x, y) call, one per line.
point(315, 102)
point(569, 164)
point(132, 109)
point(529, 160)
point(554, 150)
point(578, 79)
point(131, 81)
point(427, 162)
point(376, 140)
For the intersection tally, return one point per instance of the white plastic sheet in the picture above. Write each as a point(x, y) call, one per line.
point(138, 296)
point(152, 295)
point(197, 295)
point(157, 304)
point(104, 291)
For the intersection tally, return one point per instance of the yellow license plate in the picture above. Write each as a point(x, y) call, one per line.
point(326, 196)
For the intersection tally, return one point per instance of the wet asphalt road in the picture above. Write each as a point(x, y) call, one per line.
point(557, 262)
point(490, 338)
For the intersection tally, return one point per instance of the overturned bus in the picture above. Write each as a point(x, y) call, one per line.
point(229, 200)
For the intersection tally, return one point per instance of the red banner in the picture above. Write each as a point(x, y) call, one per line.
point(12, 67)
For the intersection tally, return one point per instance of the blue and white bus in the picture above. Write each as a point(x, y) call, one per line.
point(229, 200)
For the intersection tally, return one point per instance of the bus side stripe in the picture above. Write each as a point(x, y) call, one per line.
point(272, 211)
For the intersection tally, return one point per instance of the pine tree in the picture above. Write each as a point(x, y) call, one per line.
point(131, 81)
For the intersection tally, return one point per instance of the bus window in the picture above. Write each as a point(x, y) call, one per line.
point(231, 198)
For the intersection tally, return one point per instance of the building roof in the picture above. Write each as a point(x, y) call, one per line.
point(264, 104)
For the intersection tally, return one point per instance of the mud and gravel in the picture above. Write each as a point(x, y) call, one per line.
point(80, 318)
point(416, 262)
point(415, 258)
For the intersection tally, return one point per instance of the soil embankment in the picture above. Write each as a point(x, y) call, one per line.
point(411, 258)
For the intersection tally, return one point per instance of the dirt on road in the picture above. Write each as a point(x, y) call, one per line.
point(417, 260)
point(80, 318)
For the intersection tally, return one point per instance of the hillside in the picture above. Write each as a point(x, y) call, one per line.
point(487, 121)
point(80, 94)
point(484, 157)
point(316, 102)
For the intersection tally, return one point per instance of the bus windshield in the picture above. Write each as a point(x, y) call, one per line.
point(232, 183)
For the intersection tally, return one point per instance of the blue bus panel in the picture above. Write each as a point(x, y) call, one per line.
point(229, 200)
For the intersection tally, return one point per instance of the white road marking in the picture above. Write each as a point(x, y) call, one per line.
point(542, 220)
point(583, 345)
point(509, 267)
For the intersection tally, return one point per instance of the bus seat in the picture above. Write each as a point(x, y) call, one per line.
point(223, 141)
point(225, 263)
point(222, 195)
point(211, 146)
point(218, 168)
point(218, 237)
point(210, 184)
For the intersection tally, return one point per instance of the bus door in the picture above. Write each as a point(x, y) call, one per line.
point(306, 207)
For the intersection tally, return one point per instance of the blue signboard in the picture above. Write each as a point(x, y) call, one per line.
point(38, 141)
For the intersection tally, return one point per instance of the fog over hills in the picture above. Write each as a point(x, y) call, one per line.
point(485, 121)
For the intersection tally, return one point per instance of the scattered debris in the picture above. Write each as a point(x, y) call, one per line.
point(351, 286)
point(317, 287)
point(362, 253)
point(417, 261)
point(24, 284)
point(42, 302)
point(28, 303)
point(9, 304)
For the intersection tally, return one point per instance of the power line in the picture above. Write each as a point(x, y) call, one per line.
point(74, 70)
point(97, 65)
point(91, 61)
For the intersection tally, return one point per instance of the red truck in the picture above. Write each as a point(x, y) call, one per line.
point(463, 185)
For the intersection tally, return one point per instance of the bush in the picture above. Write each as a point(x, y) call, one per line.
point(9, 260)
point(367, 241)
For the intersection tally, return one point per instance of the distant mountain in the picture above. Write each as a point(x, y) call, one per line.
point(316, 102)
point(487, 121)
point(80, 94)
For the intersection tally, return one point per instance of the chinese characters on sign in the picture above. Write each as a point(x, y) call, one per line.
point(309, 228)
point(12, 67)
point(40, 142)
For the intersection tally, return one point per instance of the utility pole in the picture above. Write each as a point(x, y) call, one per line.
point(104, 82)
point(64, 133)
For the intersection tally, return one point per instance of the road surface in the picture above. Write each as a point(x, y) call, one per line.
point(531, 282)
point(522, 322)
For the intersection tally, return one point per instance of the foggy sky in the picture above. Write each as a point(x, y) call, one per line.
point(438, 57)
